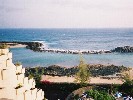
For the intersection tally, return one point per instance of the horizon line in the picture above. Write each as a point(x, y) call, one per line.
point(72, 28)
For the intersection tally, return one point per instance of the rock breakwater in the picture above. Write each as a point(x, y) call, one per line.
point(39, 47)
point(74, 51)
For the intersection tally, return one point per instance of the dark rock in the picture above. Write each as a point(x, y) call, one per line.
point(95, 70)
point(125, 49)
point(30, 45)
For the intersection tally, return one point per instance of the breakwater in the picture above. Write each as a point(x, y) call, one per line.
point(39, 47)
point(125, 49)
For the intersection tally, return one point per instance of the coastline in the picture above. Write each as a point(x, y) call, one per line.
point(108, 79)
point(31, 48)
point(99, 74)
point(17, 46)
point(39, 47)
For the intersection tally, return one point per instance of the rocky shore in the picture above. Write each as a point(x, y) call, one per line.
point(29, 45)
point(95, 70)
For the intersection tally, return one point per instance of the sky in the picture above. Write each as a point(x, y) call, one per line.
point(66, 13)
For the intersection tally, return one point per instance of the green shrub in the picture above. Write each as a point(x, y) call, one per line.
point(3, 46)
point(99, 95)
point(17, 63)
point(127, 87)
point(76, 97)
point(19, 86)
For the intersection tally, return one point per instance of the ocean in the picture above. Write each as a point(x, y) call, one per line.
point(71, 39)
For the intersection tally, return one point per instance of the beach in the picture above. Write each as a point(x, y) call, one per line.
point(13, 44)
point(93, 80)
point(17, 46)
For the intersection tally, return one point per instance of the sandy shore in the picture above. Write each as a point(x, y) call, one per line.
point(17, 46)
point(93, 80)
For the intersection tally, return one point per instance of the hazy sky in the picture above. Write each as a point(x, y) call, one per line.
point(66, 13)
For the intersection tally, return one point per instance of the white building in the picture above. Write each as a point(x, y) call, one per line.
point(13, 84)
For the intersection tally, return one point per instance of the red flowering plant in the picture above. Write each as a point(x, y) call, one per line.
point(46, 82)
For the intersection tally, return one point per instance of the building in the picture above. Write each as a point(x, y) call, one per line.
point(13, 83)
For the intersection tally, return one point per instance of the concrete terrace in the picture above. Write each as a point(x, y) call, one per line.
point(13, 84)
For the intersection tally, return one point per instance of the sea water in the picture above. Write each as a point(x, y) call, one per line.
point(70, 39)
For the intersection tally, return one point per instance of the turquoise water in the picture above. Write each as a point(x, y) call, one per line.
point(71, 39)
point(31, 59)
point(77, 39)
